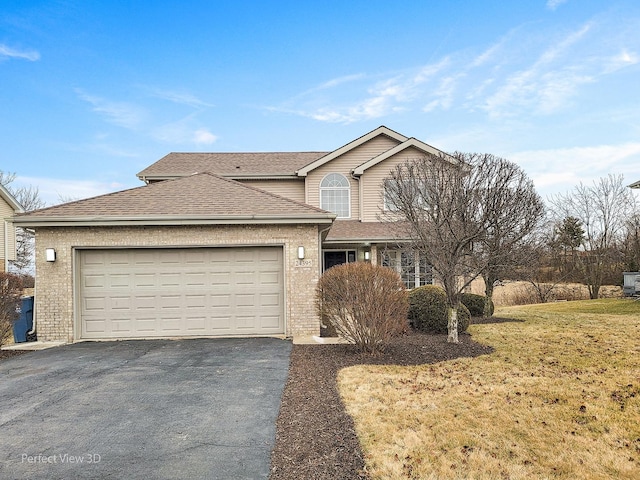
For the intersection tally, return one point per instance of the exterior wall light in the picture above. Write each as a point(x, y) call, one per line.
point(50, 255)
point(367, 255)
point(300, 253)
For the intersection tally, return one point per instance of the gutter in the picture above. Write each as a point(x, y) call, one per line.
point(178, 220)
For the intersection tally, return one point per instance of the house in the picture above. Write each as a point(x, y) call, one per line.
point(219, 243)
point(635, 185)
point(9, 207)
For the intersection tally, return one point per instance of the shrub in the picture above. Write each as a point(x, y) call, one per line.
point(475, 304)
point(10, 291)
point(428, 310)
point(366, 304)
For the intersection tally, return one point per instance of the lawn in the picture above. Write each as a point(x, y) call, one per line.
point(558, 398)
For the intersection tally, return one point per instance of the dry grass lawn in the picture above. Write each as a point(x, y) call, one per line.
point(559, 398)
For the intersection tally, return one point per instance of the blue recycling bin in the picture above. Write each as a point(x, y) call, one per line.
point(24, 323)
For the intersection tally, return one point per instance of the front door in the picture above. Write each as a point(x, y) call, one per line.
point(338, 257)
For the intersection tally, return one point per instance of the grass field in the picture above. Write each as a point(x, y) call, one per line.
point(559, 398)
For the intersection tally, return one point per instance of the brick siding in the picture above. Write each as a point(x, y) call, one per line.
point(55, 281)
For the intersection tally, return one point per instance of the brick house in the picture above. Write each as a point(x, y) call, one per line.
point(219, 244)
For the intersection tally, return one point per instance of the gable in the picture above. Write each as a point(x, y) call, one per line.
point(10, 200)
point(406, 146)
point(381, 131)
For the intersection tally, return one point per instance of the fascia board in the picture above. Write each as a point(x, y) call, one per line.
point(10, 199)
point(303, 172)
point(271, 176)
point(366, 239)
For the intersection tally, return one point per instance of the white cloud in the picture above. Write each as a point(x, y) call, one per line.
point(203, 136)
point(553, 4)
point(181, 98)
point(8, 52)
point(123, 114)
point(623, 59)
point(547, 84)
point(533, 70)
point(552, 169)
point(339, 81)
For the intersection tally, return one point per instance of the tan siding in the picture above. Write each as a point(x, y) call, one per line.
point(292, 189)
point(344, 165)
point(5, 212)
point(373, 179)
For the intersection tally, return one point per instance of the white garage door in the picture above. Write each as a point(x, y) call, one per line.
point(143, 293)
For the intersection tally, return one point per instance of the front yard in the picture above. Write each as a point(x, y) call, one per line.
point(558, 398)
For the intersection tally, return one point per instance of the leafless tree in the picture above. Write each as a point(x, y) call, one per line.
point(603, 209)
point(513, 211)
point(454, 206)
point(10, 291)
point(29, 198)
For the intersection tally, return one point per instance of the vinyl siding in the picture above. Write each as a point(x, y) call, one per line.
point(344, 165)
point(372, 183)
point(292, 189)
point(10, 241)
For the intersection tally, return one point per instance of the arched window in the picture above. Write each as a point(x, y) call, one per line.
point(335, 195)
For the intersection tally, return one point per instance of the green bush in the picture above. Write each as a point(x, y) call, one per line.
point(475, 304)
point(428, 310)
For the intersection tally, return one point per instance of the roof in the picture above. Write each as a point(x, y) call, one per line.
point(197, 199)
point(635, 185)
point(10, 199)
point(236, 165)
point(356, 231)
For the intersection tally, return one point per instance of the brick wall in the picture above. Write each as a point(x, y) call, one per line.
point(55, 281)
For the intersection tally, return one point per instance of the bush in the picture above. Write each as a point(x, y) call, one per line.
point(475, 304)
point(10, 292)
point(366, 304)
point(428, 310)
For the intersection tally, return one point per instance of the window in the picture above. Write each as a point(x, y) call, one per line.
point(335, 195)
point(414, 273)
point(389, 204)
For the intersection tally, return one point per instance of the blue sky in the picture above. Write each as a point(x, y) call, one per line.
point(92, 92)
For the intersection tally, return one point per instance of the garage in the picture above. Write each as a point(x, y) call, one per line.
point(173, 292)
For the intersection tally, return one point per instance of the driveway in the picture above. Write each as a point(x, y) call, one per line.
point(144, 409)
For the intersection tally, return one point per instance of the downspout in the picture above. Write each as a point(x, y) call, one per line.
point(357, 178)
point(320, 232)
point(33, 328)
point(6, 247)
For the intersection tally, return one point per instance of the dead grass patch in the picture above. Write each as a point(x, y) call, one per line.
point(524, 293)
point(559, 398)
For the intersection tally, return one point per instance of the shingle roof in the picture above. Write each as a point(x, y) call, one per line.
point(355, 230)
point(230, 164)
point(197, 196)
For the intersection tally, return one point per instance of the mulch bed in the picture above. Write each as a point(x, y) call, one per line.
point(10, 353)
point(315, 438)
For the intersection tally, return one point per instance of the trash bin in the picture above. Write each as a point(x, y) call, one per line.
point(24, 323)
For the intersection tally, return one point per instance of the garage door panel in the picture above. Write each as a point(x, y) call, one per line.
point(172, 292)
point(272, 321)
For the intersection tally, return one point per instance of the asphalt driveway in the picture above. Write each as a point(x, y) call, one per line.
point(152, 409)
